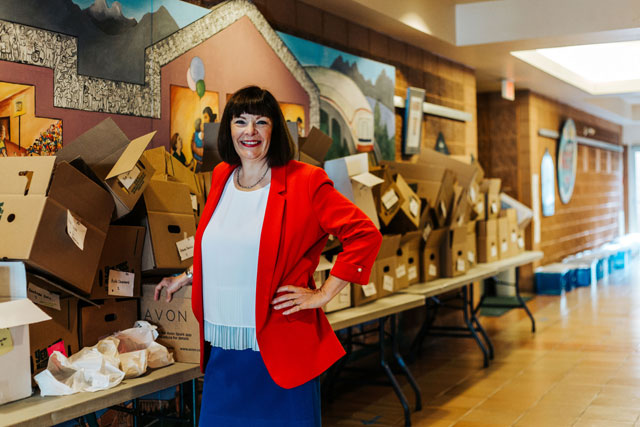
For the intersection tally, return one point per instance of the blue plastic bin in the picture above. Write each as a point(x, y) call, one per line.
point(553, 279)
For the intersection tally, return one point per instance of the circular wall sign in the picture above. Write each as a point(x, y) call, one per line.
point(567, 161)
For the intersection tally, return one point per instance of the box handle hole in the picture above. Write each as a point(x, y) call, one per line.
point(174, 229)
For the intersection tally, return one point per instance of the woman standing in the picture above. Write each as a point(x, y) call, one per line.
point(264, 337)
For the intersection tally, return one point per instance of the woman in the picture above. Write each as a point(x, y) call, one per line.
point(258, 243)
point(176, 148)
point(197, 144)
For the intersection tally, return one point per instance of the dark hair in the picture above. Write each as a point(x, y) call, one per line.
point(174, 141)
point(208, 111)
point(260, 102)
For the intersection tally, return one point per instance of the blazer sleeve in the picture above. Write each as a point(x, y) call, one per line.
point(338, 216)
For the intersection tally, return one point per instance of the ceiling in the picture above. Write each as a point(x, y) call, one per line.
point(481, 35)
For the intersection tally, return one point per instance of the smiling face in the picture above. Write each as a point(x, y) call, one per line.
point(251, 135)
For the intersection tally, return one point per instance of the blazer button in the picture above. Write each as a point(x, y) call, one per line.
point(359, 269)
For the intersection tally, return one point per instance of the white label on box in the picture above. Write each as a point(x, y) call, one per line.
point(426, 232)
point(479, 207)
point(369, 289)
point(6, 343)
point(433, 271)
point(521, 243)
point(504, 247)
point(387, 283)
point(514, 236)
point(471, 257)
point(494, 208)
point(128, 178)
point(460, 264)
point(185, 248)
point(401, 270)
point(443, 208)
point(472, 194)
point(414, 207)
point(413, 272)
point(194, 202)
point(494, 251)
point(43, 297)
point(389, 199)
point(121, 283)
point(76, 230)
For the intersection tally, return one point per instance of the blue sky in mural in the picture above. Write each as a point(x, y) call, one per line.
point(183, 13)
point(310, 53)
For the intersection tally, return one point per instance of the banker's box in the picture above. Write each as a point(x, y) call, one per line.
point(178, 328)
point(122, 253)
point(491, 187)
point(407, 260)
point(512, 232)
point(61, 331)
point(472, 252)
point(431, 253)
point(487, 240)
point(385, 265)
point(454, 252)
point(18, 312)
point(343, 298)
point(504, 247)
point(53, 217)
point(97, 322)
point(115, 160)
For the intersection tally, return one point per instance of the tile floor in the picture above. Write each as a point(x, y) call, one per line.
point(581, 368)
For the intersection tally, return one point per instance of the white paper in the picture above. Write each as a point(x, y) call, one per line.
point(43, 297)
point(426, 232)
point(367, 179)
point(121, 283)
point(413, 272)
point(443, 208)
point(494, 251)
point(521, 243)
point(401, 270)
point(185, 248)
point(76, 230)
point(471, 257)
point(472, 194)
point(387, 283)
point(194, 202)
point(128, 178)
point(460, 266)
point(479, 207)
point(433, 271)
point(389, 199)
point(514, 236)
point(414, 207)
point(369, 289)
point(494, 208)
point(504, 247)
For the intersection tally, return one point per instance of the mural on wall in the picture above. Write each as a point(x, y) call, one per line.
point(294, 113)
point(189, 112)
point(21, 132)
point(112, 35)
point(356, 98)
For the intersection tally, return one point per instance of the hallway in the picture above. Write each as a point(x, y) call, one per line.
point(581, 368)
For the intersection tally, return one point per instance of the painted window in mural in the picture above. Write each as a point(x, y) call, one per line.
point(112, 35)
point(21, 132)
point(189, 112)
point(356, 98)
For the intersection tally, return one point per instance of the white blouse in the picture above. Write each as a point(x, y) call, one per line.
point(230, 246)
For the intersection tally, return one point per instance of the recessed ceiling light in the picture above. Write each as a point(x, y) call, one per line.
point(598, 69)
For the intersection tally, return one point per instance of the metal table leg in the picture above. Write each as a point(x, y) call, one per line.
point(400, 360)
point(387, 370)
point(474, 319)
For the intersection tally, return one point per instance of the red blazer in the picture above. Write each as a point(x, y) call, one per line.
point(303, 208)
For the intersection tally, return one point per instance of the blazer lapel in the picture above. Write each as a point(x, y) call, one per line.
point(270, 243)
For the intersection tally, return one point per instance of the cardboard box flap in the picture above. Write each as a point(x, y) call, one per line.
point(337, 171)
point(357, 164)
point(324, 264)
point(523, 213)
point(367, 179)
point(20, 312)
point(12, 280)
point(316, 145)
point(156, 157)
point(100, 147)
point(436, 237)
point(389, 246)
point(168, 196)
point(465, 173)
point(40, 280)
point(131, 155)
point(26, 175)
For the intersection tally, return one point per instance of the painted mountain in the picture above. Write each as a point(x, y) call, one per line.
point(110, 45)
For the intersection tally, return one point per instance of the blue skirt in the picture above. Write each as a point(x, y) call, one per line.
point(238, 391)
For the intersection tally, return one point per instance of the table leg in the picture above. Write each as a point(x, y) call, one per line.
point(476, 321)
point(466, 303)
point(522, 302)
point(387, 370)
point(400, 360)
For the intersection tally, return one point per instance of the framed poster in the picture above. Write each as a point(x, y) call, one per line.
point(567, 161)
point(412, 126)
point(547, 180)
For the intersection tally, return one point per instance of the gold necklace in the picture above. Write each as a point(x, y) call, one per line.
point(250, 186)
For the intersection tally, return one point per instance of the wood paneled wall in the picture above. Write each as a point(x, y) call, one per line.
point(511, 149)
point(447, 83)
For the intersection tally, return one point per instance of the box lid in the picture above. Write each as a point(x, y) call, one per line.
point(26, 176)
point(131, 155)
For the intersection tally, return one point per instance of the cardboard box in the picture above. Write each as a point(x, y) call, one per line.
point(115, 160)
point(122, 252)
point(461, 207)
point(169, 224)
point(97, 322)
point(314, 148)
point(521, 241)
point(431, 254)
point(43, 208)
point(343, 298)
point(523, 213)
point(504, 250)
point(385, 265)
point(177, 326)
point(387, 196)
point(464, 172)
point(407, 217)
point(351, 177)
point(61, 330)
point(363, 294)
point(407, 260)
point(512, 225)
point(17, 314)
point(205, 178)
point(491, 187)
point(487, 240)
point(472, 252)
point(454, 252)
